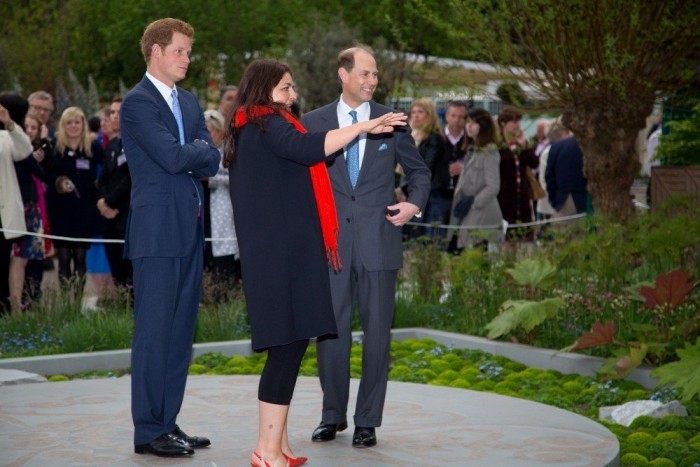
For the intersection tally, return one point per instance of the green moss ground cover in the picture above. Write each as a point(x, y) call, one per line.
point(669, 441)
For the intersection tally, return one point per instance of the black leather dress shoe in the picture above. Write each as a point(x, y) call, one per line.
point(165, 445)
point(364, 437)
point(192, 441)
point(326, 431)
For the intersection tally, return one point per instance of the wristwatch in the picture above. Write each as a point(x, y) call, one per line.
point(419, 214)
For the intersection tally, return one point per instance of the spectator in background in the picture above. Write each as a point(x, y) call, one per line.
point(106, 132)
point(457, 139)
point(539, 141)
point(114, 187)
point(96, 263)
point(555, 133)
point(475, 202)
point(41, 105)
point(433, 148)
point(515, 195)
point(31, 177)
point(14, 146)
point(73, 192)
point(95, 128)
point(225, 261)
point(45, 154)
point(566, 185)
point(652, 145)
point(227, 100)
point(650, 160)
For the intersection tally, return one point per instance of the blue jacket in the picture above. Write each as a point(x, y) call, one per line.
point(166, 193)
point(564, 175)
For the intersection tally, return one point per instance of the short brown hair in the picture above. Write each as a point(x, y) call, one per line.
point(346, 58)
point(509, 113)
point(161, 32)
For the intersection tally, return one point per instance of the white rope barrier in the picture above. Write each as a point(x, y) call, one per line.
point(504, 227)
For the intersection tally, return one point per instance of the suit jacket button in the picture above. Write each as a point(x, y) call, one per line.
point(353, 198)
point(194, 195)
point(347, 219)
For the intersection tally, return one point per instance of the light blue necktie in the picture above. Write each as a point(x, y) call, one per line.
point(353, 157)
point(178, 116)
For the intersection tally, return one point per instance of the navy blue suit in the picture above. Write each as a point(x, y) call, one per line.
point(564, 175)
point(164, 241)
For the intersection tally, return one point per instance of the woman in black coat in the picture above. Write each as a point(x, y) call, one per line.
point(73, 192)
point(286, 226)
point(433, 148)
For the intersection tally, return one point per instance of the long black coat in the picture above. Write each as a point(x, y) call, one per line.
point(114, 185)
point(75, 214)
point(283, 261)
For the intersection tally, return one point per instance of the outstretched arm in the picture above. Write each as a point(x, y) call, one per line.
point(336, 139)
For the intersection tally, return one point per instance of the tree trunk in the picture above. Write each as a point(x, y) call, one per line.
point(607, 135)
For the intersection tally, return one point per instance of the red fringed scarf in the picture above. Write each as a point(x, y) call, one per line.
point(325, 204)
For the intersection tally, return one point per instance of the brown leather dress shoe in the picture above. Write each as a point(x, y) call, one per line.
point(165, 445)
point(192, 441)
point(327, 431)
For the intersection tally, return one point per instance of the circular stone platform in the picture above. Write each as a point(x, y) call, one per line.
point(88, 423)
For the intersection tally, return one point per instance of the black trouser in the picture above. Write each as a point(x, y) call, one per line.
point(280, 373)
point(70, 252)
point(121, 268)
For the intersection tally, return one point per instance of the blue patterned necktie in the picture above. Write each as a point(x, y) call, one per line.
point(178, 116)
point(353, 157)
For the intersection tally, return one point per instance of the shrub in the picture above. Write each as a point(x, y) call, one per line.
point(633, 460)
point(58, 378)
point(662, 462)
point(681, 146)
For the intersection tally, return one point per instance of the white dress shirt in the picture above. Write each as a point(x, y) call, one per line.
point(344, 119)
point(163, 89)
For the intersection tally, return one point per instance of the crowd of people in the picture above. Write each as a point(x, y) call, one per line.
point(68, 186)
point(474, 193)
point(320, 203)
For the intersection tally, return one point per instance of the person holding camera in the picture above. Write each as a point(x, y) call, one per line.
point(73, 193)
point(31, 177)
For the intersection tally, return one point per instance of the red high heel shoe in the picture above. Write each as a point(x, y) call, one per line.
point(295, 461)
point(260, 459)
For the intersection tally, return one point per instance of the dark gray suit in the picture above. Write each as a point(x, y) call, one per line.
point(371, 255)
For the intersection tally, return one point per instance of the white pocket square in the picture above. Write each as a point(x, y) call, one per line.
point(383, 147)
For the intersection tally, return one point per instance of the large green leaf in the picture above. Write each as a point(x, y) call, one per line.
point(538, 273)
point(684, 374)
point(523, 314)
point(624, 361)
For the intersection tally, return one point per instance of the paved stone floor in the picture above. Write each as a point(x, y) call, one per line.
point(87, 423)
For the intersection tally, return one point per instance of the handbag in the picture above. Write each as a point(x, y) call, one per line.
point(535, 188)
point(462, 207)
